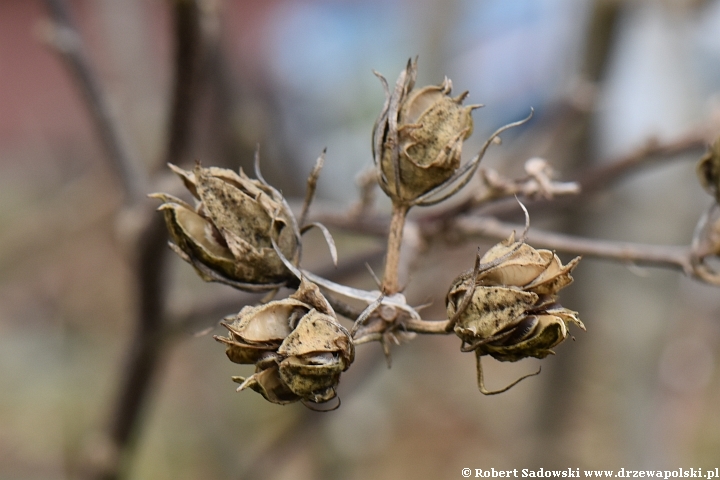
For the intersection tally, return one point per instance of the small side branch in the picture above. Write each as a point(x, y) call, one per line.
point(668, 256)
point(694, 141)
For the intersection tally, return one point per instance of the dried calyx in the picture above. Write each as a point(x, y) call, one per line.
point(417, 141)
point(228, 235)
point(418, 137)
point(297, 346)
point(507, 306)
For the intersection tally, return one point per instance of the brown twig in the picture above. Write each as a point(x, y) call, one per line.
point(676, 257)
point(668, 256)
point(694, 141)
point(391, 283)
point(62, 34)
point(146, 348)
point(593, 179)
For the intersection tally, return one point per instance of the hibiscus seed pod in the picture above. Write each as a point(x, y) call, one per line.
point(513, 311)
point(297, 345)
point(418, 137)
point(306, 366)
point(227, 237)
point(314, 355)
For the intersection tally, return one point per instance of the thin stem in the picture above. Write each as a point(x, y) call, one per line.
point(426, 326)
point(392, 263)
point(311, 187)
point(481, 381)
point(672, 256)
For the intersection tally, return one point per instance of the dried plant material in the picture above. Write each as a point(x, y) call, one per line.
point(507, 307)
point(297, 345)
point(267, 382)
point(228, 236)
point(242, 232)
point(537, 184)
point(706, 246)
point(417, 140)
point(708, 170)
point(315, 354)
point(384, 324)
point(257, 330)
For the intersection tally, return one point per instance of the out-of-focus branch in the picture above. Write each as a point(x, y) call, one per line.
point(694, 141)
point(62, 34)
point(597, 178)
point(146, 348)
point(188, 50)
point(668, 256)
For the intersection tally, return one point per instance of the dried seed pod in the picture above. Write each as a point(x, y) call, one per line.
point(227, 237)
point(267, 382)
point(512, 311)
point(256, 331)
point(314, 356)
point(417, 140)
point(708, 170)
point(297, 345)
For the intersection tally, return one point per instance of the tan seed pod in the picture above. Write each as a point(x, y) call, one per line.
point(297, 345)
point(507, 307)
point(315, 354)
point(227, 237)
point(419, 135)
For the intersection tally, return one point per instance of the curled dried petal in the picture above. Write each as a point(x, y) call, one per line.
point(269, 384)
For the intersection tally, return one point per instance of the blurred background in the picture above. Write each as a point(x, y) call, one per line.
point(640, 389)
